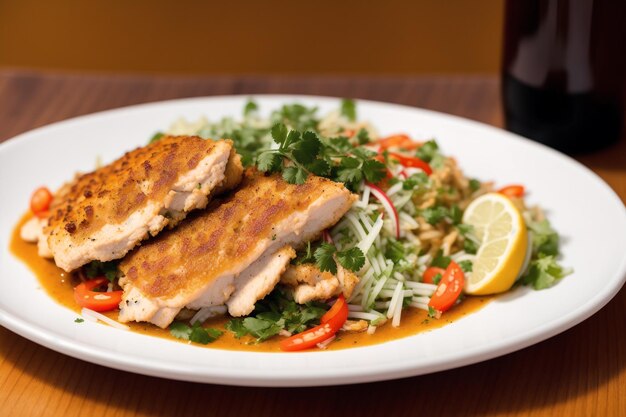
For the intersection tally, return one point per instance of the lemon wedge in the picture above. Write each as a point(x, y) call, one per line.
point(503, 237)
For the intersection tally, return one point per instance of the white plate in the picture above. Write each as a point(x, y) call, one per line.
point(588, 214)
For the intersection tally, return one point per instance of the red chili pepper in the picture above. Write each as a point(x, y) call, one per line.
point(411, 162)
point(331, 322)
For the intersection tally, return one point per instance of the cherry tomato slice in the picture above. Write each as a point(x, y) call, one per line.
point(411, 162)
point(94, 300)
point(431, 273)
point(514, 190)
point(449, 288)
point(318, 334)
point(40, 202)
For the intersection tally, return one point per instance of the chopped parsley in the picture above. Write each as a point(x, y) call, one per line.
point(78, 320)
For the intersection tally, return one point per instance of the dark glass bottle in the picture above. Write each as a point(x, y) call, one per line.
point(563, 71)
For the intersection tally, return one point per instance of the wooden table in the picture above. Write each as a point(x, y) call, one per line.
point(581, 372)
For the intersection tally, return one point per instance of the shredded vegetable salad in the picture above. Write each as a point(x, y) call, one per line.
point(408, 220)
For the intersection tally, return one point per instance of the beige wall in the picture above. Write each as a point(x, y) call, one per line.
point(273, 36)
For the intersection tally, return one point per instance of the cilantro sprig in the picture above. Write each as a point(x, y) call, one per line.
point(325, 256)
point(195, 333)
point(302, 153)
point(97, 268)
point(274, 313)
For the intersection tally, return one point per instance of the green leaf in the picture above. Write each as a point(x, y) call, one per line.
point(180, 330)
point(307, 149)
point(395, 250)
point(437, 279)
point(544, 272)
point(441, 261)
point(434, 215)
point(363, 136)
point(295, 175)
point(203, 336)
point(474, 184)
point(269, 161)
point(293, 137)
point(261, 329)
point(544, 238)
point(464, 229)
point(466, 265)
point(279, 133)
point(374, 170)
point(97, 268)
point(324, 258)
point(415, 181)
point(339, 145)
point(296, 116)
point(427, 151)
point(348, 109)
point(156, 137)
point(349, 175)
point(470, 246)
point(250, 107)
point(363, 153)
point(236, 327)
point(351, 259)
point(455, 214)
point(319, 167)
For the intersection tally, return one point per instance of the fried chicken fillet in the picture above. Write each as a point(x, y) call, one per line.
point(104, 214)
point(231, 254)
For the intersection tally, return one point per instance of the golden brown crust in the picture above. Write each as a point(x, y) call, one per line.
point(213, 242)
point(110, 194)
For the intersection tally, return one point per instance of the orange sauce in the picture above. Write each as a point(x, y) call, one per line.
point(59, 284)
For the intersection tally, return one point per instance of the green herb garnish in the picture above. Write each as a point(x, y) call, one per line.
point(274, 313)
point(195, 333)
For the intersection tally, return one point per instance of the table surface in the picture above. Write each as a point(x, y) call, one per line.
point(581, 372)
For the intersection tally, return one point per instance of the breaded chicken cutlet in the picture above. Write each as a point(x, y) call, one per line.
point(233, 253)
point(104, 214)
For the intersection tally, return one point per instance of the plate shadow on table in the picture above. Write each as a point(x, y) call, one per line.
point(571, 365)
